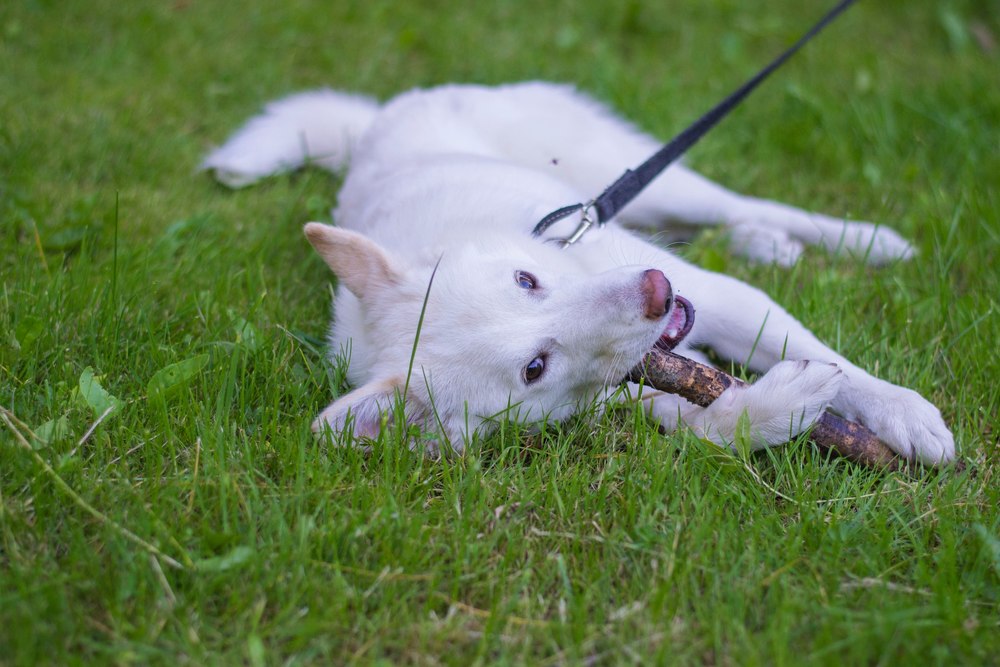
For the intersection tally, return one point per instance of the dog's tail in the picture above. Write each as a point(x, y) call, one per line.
point(320, 127)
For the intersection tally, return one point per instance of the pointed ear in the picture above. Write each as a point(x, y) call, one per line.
point(361, 412)
point(361, 264)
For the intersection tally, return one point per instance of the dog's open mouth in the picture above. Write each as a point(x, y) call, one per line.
point(679, 323)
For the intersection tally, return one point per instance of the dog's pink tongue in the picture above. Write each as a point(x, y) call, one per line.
point(679, 323)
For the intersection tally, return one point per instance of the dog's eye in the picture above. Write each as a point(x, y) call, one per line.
point(525, 280)
point(533, 370)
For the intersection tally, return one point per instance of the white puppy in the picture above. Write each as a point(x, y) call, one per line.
point(449, 182)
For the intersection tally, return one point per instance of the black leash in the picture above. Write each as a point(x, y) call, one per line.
point(632, 182)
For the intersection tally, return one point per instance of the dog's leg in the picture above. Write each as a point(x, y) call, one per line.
point(319, 127)
point(760, 229)
point(571, 137)
point(594, 147)
point(742, 323)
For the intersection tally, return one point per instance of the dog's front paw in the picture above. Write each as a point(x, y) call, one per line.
point(783, 403)
point(907, 422)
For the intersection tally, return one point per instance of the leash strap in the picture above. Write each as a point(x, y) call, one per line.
point(632, 182)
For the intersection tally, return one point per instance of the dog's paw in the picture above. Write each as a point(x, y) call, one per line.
point(875, 243)
point(769, 231)
point(791, 396)
point(764, 244)
point(783, 403)
point(906, 421)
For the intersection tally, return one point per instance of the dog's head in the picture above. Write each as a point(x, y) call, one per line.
point(507, 332)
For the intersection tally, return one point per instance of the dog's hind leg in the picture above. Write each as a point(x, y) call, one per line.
point(680, 201)
point(572, 137)
point(760, 229)
point(319, 127)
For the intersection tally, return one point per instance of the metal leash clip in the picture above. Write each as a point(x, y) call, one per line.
point(586, 222)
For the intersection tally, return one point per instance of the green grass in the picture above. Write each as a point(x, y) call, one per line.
point(597, 542)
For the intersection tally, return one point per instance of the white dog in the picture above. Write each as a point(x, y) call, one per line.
point(511, 326)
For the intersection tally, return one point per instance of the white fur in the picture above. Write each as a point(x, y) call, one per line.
point(456, 177)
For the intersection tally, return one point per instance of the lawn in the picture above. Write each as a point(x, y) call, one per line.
point(162, 500)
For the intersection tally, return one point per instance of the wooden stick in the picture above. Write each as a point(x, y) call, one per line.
point(702, 384)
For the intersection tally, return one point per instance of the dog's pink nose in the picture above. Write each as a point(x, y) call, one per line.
point(656, 292)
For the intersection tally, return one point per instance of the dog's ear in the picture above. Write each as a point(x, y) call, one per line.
point(362, 265)
point(361, 412)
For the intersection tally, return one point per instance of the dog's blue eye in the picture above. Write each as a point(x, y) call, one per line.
point(533, 371)
point(525, 280)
